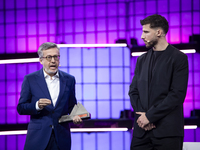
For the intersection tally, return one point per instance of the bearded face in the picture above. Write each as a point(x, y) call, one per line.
point(149, 36)
point(151, 43)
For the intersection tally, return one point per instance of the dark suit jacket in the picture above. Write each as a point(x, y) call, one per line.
point(163, 98)
point(34, 87)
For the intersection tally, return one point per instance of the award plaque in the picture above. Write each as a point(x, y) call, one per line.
point(78, 110)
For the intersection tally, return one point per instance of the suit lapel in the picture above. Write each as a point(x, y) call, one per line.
point(42, 84)
point(63, 82)
point(145, 76)
point(146, 66)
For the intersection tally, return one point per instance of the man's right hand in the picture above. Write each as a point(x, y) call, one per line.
point(43, 102)
point(149, 127)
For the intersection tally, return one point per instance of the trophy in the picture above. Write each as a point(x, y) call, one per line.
point(78, 110)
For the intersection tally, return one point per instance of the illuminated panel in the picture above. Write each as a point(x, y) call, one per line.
point(186, 51)
point(102, 77)
point(92, 45)
point(19, 132)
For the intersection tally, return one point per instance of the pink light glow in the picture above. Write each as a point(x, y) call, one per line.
point(174, 35)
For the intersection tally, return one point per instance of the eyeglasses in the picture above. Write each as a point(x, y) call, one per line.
point(49, 57)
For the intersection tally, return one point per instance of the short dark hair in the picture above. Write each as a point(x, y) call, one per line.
point(156, 21)
point(46, 46)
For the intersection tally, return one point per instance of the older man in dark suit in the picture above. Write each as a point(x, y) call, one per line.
point(158, 90)
point(46, 95)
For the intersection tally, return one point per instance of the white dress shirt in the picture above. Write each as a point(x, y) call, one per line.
point(53, 84)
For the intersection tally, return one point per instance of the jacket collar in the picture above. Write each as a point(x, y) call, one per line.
point(64, 80)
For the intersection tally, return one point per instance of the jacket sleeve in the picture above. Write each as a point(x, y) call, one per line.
point(25, 105)
point(133, 91)
point(176, 94)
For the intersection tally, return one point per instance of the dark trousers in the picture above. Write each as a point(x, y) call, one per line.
point(52, 145)
point(149, 142)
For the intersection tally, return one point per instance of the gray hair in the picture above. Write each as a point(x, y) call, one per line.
point(46, 46)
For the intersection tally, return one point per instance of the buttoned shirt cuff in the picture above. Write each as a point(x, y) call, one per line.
point(37, 107)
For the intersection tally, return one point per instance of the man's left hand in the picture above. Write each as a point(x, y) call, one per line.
point(142, 120)
point(77, 120)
